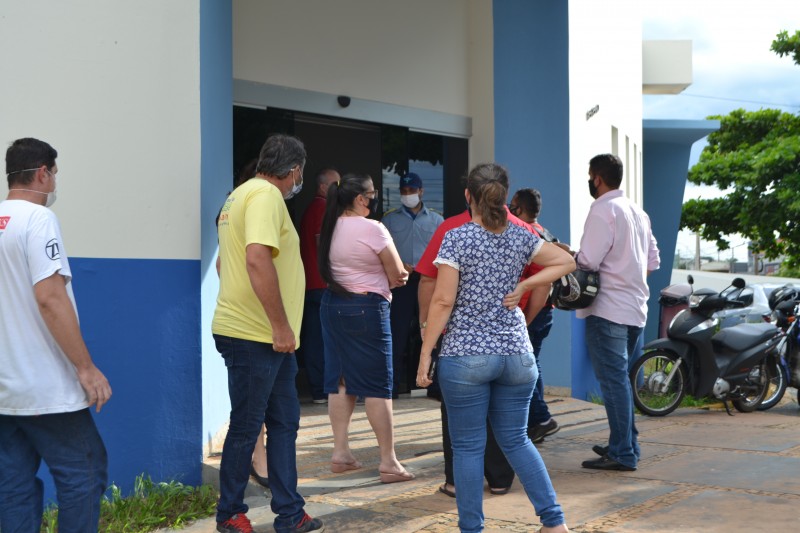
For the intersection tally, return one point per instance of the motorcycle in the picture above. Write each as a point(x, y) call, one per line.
point(700, 359)
point(784, 370)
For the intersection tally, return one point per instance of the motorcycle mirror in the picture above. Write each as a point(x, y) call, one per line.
point(738, 283)
point(690, 279)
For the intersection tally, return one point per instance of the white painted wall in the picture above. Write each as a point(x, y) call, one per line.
point(114, 87)
point(666, 66)
point(410, 53)
point(605, 70)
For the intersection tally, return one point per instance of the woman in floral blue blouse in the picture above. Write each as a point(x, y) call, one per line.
point(486, 364)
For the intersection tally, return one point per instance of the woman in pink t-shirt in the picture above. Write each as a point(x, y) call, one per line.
point(358, 260)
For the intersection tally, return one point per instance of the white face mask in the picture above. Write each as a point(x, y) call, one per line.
point(410, 200)
point(296, 188)
point(51, 196)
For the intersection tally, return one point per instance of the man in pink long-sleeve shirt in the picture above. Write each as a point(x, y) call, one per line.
point(618, 243)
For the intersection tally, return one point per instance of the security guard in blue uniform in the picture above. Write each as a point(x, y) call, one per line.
point(411, 227)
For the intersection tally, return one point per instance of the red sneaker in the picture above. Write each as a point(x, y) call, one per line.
point(310, 524)
point(238, 523)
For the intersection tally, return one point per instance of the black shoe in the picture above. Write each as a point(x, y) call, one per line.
point(309, 524)
point(607, 463)
point(263, 481)
point(538, 432)
point(600, 450)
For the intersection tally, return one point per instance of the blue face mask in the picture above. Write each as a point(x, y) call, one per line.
point(296, 188)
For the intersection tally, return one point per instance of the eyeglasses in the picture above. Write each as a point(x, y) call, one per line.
point(369, 194)
point(515, 209)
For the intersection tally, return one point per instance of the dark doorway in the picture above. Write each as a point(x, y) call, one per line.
point(383, 151)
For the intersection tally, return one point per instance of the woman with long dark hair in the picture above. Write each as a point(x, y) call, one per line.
point(486, 365)
point(358, 260)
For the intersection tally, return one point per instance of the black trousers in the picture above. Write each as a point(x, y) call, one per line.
point(404, 318)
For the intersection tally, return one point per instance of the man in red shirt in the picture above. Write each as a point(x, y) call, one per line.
point(527, 204)
point(498, 472)
point(311, 348)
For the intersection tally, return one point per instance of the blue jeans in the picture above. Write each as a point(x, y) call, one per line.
point(262, 390)
point(500, 387)
point(538, 330)
point(609, 344)
point(74, 452)
point(312, 349)
point(496, 470)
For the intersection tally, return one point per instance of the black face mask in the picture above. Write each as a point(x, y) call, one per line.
point(373, 206)
point(592, 188)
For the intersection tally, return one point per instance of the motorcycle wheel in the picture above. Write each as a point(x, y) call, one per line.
point(755, 389)
point(647, 378)
point(778, 379)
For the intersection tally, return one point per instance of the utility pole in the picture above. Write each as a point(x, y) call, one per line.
point(697, 251)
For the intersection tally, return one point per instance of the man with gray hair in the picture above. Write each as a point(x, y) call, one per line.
point(256, 325)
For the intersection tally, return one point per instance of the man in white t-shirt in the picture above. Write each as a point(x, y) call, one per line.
point(47, 378)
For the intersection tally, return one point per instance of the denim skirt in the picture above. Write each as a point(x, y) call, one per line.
point(358, 343)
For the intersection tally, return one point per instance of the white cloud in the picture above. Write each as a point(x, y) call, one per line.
point(733, 67)
point(731, 55)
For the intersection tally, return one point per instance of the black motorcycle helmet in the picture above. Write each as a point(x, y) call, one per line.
point(783, 294)
point(576, 290)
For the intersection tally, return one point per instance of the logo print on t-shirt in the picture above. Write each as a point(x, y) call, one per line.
point(4, 222)
point(52, 249)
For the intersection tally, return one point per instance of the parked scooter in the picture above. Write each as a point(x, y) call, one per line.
point(700, 359)
point(784, 367)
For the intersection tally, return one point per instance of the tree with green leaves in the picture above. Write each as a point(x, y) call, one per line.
point(783, 45)
point(755, 159)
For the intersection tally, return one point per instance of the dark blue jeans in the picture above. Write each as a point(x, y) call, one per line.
point(74, 452)
point(538, 330)
point(262, 390)
point(610, 345)
point(312, 348)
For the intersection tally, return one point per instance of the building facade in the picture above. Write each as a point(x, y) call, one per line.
point(154, 106)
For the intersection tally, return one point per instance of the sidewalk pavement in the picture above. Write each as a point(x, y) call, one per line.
point(701, 470)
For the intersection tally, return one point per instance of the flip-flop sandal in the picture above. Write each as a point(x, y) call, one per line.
point(447, 492)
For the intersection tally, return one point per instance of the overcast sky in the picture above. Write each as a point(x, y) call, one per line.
point(733, 68)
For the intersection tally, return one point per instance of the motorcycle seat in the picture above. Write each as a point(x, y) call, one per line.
point(744, 336)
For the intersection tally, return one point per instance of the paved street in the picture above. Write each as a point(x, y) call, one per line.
point(701, 471)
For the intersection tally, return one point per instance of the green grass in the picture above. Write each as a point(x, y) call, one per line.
point(688, 401)
point(150, 507)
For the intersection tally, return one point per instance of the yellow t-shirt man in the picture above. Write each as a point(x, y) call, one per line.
point(255, 213)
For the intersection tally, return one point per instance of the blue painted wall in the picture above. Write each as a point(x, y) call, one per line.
point(665, 169)
point(531, 103)
point(216, 166)
point(667, 146)
point(140, 319)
